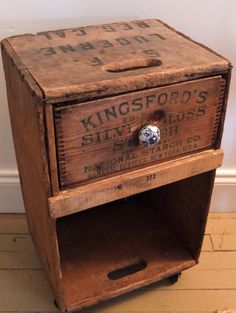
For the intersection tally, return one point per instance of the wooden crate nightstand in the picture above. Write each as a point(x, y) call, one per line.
point(117, 131)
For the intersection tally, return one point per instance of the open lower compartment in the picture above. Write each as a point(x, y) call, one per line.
point(120, 246)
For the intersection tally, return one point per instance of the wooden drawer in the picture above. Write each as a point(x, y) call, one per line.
point(99, 138)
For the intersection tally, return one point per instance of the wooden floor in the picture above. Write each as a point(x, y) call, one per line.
point(205, 288)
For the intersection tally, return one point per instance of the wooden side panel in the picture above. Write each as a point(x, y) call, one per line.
point(27, 119)
point(185, 208)
point(100, 138)
point(113, 188)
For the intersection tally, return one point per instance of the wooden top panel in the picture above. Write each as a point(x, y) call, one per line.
point(94, 61)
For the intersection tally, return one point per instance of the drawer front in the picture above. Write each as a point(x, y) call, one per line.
point(101, 137)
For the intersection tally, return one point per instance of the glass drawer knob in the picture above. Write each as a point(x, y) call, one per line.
point(149, 135)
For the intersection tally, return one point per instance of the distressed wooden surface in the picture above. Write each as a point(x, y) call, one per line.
point(98, 61)
point(28, 128)
point(144, 236)
point(113, 188)
point(52, 149)
point(100, 138)
point(205, 288)
point(110, 59)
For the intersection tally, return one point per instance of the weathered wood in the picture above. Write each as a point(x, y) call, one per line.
point(207, 243)
point(52, 149)
point(186, 200)
point(113, 188)
point(225, 95)
point(82, 55)
point(27, 121)
point(83, 256)
point(77, 100)
point(99, 138)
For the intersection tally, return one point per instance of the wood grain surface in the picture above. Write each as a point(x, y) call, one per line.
point(100, 138)
point(77, 99)
point(117, 187)
point(95, 61)
point(28, 128)
point(89, 254)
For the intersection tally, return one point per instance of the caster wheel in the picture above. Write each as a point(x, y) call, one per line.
point(173, 279)
point(55, 303)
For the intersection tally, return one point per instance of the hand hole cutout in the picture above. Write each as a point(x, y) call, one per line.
point(129, 65)
point(127, 270)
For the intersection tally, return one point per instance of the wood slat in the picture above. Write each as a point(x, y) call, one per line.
point(168, 301)
point(224, 242)
point(26, 300)
point(113, 188)
point(19, 260)
point(19, 279)
point(195, 278)
point(27, 113)
point(16, 242)
point(120, 60)
point(52, 149)
point(13, 224)
point(222, 215)
point(217, 260)
point(219, 226)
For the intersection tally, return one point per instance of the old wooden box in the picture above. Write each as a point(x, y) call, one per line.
point(108, 214)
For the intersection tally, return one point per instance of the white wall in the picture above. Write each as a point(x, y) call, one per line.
point(212, 22)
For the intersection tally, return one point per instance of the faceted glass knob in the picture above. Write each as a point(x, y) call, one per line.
point(149, 135)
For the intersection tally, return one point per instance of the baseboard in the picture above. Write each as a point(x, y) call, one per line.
point(223, 198)
point(10, 193)
point(224, 193)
